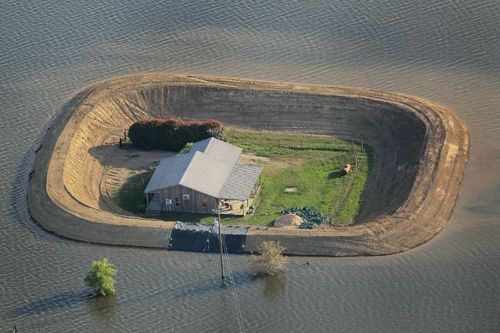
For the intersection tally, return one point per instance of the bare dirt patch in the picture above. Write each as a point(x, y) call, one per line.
point(291, 189)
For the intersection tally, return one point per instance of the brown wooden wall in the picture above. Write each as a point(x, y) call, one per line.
point(193, 205)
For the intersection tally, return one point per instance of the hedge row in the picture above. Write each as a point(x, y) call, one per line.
point(173, 133)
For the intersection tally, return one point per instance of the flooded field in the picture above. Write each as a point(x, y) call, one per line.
point(444, 51)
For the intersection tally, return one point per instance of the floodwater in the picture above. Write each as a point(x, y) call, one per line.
point(444, 50)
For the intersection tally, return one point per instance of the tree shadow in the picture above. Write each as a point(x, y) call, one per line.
point(62, 300)
point(274, 285)
point(335, 174)
point(128, 157)
point(105, 306)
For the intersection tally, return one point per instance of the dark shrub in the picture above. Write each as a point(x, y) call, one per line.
point(173, 133)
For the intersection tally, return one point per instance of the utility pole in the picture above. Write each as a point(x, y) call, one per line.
point(220, 242)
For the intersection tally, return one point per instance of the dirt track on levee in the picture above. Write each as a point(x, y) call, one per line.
point(421, 149)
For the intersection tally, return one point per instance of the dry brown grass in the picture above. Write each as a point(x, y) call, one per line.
point(271, 260)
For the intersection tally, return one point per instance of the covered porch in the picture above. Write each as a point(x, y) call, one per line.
point(240, 207)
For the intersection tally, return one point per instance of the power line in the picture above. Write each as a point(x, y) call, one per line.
point(233, 287)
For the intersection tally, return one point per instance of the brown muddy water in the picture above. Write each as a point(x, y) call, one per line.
point(443, 50)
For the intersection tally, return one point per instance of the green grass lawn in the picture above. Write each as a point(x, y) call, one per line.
point(307, 164)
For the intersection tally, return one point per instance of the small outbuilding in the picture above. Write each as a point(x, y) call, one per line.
point(209, 177)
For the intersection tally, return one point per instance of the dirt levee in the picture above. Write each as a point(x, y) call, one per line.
point(421, 149)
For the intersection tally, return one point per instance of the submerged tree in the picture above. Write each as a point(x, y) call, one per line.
point(271, 259)
point(101, 277)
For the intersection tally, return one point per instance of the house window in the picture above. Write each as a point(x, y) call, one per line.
point(177, 203)
point(204, 204)
point(185, 197)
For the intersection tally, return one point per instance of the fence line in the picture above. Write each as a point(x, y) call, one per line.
point(346, 188)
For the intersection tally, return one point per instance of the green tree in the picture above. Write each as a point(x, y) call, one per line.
point(101, 277)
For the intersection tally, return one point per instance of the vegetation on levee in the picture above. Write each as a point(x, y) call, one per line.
point(299, 170)
point(271, 260)
point(101, 277)
point(172, 133)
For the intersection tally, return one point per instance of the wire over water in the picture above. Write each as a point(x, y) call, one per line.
point(231, 282)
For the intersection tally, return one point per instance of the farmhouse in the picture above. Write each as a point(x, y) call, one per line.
point(207, 178)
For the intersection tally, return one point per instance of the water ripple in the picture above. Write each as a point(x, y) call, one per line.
point(443, 50)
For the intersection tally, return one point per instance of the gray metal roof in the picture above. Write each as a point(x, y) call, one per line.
point(217, 149)
point(169, 172)
point(210, 167)
point(206, 175)
point(240, 182)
